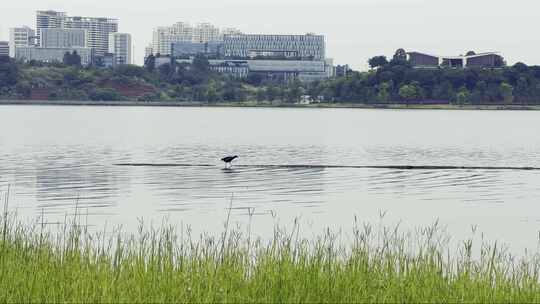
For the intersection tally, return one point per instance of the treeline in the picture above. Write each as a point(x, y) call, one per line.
point(395, 80)
point(388, 81)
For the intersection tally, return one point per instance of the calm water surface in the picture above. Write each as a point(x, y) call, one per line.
point(54, 158)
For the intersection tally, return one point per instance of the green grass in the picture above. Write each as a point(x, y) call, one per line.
point(163, 266)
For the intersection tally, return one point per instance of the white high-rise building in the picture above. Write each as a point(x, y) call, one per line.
point(63, 38)
point(19, 37)
point(149, 50)
point(98, 29)
point(165, 36)
point(48, 19)
point(120, 46)
point(206, 32)
point(230, 31)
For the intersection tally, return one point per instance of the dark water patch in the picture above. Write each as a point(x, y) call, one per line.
point(390, 167)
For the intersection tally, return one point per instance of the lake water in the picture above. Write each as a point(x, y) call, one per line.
point(56, 158)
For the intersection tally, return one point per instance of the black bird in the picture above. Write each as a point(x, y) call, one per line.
point(228, 160)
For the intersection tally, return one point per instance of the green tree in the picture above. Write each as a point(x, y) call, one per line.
point(384, 92)
point(9, 72)
point(408, 92)
point(507, 92)
point(272, 92)
point(72, 59)
point(377, 61)
point(463, 96)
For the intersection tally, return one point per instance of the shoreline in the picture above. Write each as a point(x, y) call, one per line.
point(388, 106)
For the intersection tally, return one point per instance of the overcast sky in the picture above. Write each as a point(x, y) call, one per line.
point(355, 29)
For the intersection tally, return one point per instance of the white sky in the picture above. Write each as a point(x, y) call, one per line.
point(355, 29)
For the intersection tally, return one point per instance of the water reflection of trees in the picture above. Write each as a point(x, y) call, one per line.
point(250, 187)
point(84, 178)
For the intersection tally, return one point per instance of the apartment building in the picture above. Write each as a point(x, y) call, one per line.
point(98, 30)
point(20, 36)
point(63, 38)
point(164, 36)
point(48, 19)
point(4, 49)
point(120, 47)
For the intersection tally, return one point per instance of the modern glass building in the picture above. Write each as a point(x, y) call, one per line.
point(187, 48)
point(297, 47)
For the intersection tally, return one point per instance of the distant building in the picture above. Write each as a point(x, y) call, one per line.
point(108, 60)
point(164, 36)
point(20, 36)
point(48, 19)
point(63, 38)
point(4, 49)
point(423, 60)
point(120, 47)
point(98, 29)
point(342, 70)
point(53, 54)
point(330, 69)
point(188, 48)
point(230, 31)
point(278, 70)
point(206, 32)
point(304, 47)
point(149, 50)
point(471, 60)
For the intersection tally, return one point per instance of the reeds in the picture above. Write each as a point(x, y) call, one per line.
point(168, 266)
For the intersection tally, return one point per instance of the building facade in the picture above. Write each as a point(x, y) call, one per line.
point(163, 37)
point(98, 30)
point(48, 19)
point(212, 49)
point(53, 54)
point(120, 47)
point(303, 47)
point(471, 60)
point(4, 49)
point(63, 38)
point(149, 50)
point(277, 70)
point(206, 32)
point(20, 36)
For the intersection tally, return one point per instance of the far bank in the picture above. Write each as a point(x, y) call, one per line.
point(390, 106)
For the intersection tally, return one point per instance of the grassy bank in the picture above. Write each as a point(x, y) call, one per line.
point(254, 104)
point(163, 266)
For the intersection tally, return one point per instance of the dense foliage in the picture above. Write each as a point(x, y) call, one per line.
point(389, 81)
point(397, 81)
